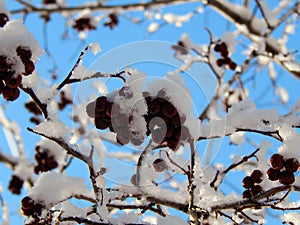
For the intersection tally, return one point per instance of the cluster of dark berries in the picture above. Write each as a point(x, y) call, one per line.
point(32, 107)
point(9, 80)
point(225, 60)
point(113, 21)
point(83, 23)
point(251, 184)
point(30, 207)
point(282, 169)
point(64, 101)
point(180, 48)
point(46, 2)
point(45, 160)
point(15, 184)
point(163, 120)
point(159, 165)
point(3, 19)
point(107, 114)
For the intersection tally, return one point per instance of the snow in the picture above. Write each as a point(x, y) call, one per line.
point(81, 72)
point(169, 219)
point(292, 217)
point(54, 149)
point(228, 38)
point(153, 27)
point(95, 48)
point(51, 188)
point(53, 128)
point(269, 15)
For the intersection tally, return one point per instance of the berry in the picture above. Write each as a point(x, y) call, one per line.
point(136, 141)
point(247, 182)
point(291, 165)
point(12, 82)
point(24, 53)
point(15, 185)
point(220, 62)
point(232, 65)
point(255, 190)
point(159, 165)
point(90, 109)
point(257, 176)
point(123, 137)
point(81, 24)
point(277, 161)
point(29, 67)
point(273, 174)
point(3, 19)
point(154, 107)
point(224, 53)
point(168, 110)
point(10, 94)
point(49, 2)
point(101, 124)
point(133, 179)
point(247, 194)
point(113, 21)
point(217, 48)
point(286, 177)
point(33, 108)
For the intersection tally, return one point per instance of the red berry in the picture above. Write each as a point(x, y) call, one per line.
point(277, 161)
point(257, 176)
point(10, 94)
point(291, 165)
point(224, 53)
point(12, 82)
point(168, 110)
point(247, 194)
point(29, 67)
point(247, 182)
point(255, 190)
point(273, 174)
point(3, 19)
point(217, 48)
point(24, 53)
point(220, 62)
point(232, 65)
point(286, 177)
point(101, 124)
point(159, 165)
point(101, 104)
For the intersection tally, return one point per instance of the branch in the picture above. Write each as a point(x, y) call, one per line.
point(141, 6)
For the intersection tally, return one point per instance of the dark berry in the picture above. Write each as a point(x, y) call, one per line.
point(220, 62)
point(10, 94)
point(90, 109)
point(49, 2)
point(24, 53)
point(33, 108)
point(168, 110)
point(291, 165)
point(159, 165)
point(101, 124)
point(172, 142)
point(12, 82)
point(154, 107)
point(101, 103)
point(217, 48)
point(133, 179)
point(286, 177)
point(247, 182)
point(15, 185)
point(277, 161)
point(123, 137)
point(273, 174)
point(113, 21)
point(232, 65)
point(3, 19)
point(247, 194)
point(257, 176)
point(81, 24)
point(224, 53)
point(255, 190)
point(29, 67)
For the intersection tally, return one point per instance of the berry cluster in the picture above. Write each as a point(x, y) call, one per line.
point(15, 184)
point(45, 160)
point(251, 184)
point(3, 19)
point(46, 2)
point(83, 23)
point(282, 169)
point(163, 120)
point(9, 80)
point(30, 207)
point(64, 101)
point(113, 21)
point(225, 60)
point(32, 107)
point(159, 165)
